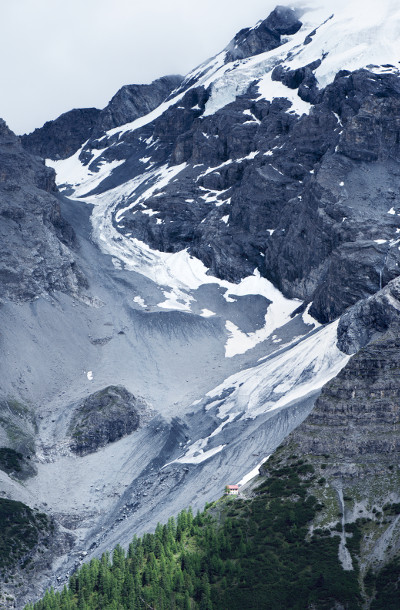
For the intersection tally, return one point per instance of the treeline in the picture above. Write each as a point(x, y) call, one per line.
point(255, 553)
point(167, 569)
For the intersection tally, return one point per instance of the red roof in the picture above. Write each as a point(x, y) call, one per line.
point(233, 486)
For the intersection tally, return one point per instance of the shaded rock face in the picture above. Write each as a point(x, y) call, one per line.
point(14, 464)
point(325, 249)
point(265, 36)
point(61, 138)
point(105, 417)
point(305, 200)
point(370, 318)
point(36, 242)
point(18, 427)
point(357, 417)
point(31, 541)
point(134, 101)
point(302, 79)
point(310, 201)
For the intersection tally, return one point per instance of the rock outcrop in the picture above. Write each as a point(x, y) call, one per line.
point(265, 36)
point(61, 138)
point(105, 417)
point(310, 201)
point(30, 541)
point(356, 420)
point(370, 318)
point(134, 101)
point(36, 243)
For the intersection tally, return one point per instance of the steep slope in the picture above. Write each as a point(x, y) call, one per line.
point(61, 138)
point(351, 440)
point(37, 244)
point(319, 528)
point(279, 161)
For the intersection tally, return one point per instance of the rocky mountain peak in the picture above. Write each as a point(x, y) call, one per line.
point(134, 101)
point(265, 36)
point(283, 20)
point(61, 138)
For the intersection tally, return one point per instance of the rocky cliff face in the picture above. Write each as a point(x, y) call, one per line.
point(134, 101)
point(356, 419)
point(36, 245)
point(61, 138)
point(265, 36)
point(369, 318)
point(310, 200)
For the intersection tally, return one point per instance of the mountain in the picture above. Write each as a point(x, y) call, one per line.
point(61, 138)
point(221, 249)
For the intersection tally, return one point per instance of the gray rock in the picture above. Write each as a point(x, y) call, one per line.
point(265, 36)
point(18, 427)
point(36, 243)
point(370, 318)
point(356, 417)
point(325, 202)
point(104, 417)
point(61, 138)
point(134, 101)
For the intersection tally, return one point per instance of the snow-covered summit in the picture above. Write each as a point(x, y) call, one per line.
point(343, 36)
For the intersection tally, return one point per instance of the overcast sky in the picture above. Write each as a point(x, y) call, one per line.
point(56, 55)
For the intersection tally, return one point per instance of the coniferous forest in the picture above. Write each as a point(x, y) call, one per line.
point(238, 553)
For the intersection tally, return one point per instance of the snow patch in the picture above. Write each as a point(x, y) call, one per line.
point(139, 301)
point(206, 313)
point(285, 376)
point(73, 173)
point(309, 320)
point(253, 473)
point(270, 89)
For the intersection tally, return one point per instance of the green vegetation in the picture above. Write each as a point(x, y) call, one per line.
point(387, 587)
point(21, 531)
point(10, 460)
point(255, 553)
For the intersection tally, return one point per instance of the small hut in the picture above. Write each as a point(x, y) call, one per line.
point(232, 490)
